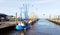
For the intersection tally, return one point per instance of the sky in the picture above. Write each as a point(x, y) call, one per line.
point(42, 8)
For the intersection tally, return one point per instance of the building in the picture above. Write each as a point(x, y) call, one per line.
point(4, 17)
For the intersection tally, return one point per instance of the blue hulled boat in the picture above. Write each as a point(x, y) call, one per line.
point(20, 27)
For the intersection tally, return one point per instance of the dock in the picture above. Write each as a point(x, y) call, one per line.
point(6, 24)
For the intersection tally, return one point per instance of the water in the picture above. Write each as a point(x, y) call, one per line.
point(42, 27)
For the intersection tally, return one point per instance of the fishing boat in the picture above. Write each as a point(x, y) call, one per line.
point(21, 26)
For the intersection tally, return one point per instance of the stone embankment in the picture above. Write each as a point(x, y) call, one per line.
point(55, 21)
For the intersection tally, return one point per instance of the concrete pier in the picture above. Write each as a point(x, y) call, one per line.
point(6, 24)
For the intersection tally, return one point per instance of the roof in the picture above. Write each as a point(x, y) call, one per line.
point(3, 15)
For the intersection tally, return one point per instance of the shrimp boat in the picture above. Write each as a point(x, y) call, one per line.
point(22, 26)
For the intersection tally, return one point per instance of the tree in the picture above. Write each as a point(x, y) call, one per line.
point(33, 15)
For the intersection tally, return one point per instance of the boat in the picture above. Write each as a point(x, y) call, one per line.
point(21, 26)
point(27, 27)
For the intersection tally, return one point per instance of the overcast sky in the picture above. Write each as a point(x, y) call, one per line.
point(40, 7)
